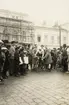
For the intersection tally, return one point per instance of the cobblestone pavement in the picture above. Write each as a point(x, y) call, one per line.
point(44, 88)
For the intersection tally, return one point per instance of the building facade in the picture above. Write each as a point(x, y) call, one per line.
point(50, 36)
point(15, 27)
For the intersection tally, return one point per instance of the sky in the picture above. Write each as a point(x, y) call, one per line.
point(39, 11)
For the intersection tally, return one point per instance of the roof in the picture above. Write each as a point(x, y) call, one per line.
point(13, 12)
point(16, 19)
point(50, 28)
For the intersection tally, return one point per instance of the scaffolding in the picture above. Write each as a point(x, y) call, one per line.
point(16, 30)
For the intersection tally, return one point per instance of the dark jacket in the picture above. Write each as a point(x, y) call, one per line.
point(64, 57)
point(16, 57)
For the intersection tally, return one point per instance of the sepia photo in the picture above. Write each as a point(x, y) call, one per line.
point(34, 52)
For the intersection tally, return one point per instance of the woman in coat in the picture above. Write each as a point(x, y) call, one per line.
point(48, 60)
point(16, 62)
point(21, 55)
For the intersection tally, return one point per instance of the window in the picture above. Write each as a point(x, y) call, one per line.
point(13, 17)
point(14, 38)
point(58, 40)
point(24, 33)
point(5, 37)
point(52, 39)
point(39, 39)
point(1, 29)
point(24, 38)
point(16, 17)
point(2, 21)
point(46, 38)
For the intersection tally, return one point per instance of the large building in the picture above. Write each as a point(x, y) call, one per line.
point(15, 27)
point(50, 36)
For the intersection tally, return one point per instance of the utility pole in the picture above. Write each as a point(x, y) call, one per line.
point(60, 38)
point(60, 31)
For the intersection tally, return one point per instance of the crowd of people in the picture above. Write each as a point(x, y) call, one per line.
point(17, 59)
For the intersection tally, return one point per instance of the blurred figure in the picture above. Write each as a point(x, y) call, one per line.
point(2, 61)
point(30, 59)
point(16, 62)
point(68, 58)
point(54, 59)
point(48, 60)
point(39, 55)
point(6, 63)
point(11, 59)
point(59, 59)
point(26, 62)
point(21, 55)
point(64, 59)
point(34, 52)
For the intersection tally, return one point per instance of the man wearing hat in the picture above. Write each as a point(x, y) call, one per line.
point(64, 58)
point(2, 58)
point(2, 61)
point(16, 62)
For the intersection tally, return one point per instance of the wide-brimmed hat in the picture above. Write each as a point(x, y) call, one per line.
point(25, 51)
point(3, 48)
point(1, 42)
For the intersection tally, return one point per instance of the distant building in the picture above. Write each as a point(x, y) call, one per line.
point(15, 27)
point(66, 26)
point(50, 37)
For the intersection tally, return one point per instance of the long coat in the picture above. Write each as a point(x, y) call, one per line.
point(64, 57)
point(16, 62)
point(48, 58)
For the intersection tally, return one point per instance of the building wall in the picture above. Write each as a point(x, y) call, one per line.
point(16, 30)
point(50, 36)
point(64, 37)
point(14, 15)
point(15, 26)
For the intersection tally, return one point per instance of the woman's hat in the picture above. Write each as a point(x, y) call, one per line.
point(3, 48)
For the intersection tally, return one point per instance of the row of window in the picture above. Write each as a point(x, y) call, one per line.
point(16, 38)
point(52, 39)
point(14, 31)
point(15, 23)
